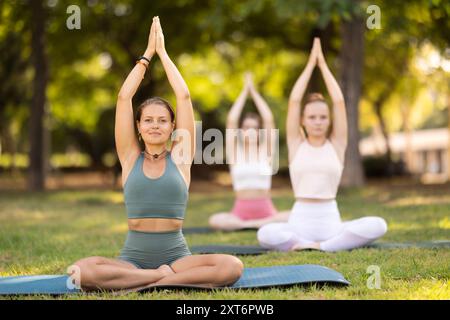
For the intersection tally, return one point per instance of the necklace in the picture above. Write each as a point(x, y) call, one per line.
point(154, 156)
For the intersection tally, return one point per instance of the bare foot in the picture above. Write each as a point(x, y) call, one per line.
point(309, 246)
point(166, 270)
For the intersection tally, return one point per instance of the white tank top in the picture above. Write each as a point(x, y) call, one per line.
point(315, 171)
point(253, 174)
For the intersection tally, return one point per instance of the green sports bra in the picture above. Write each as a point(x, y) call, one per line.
point(163, 197)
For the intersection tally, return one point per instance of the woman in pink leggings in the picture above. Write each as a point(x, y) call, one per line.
point(316, 159)
point(249, 153)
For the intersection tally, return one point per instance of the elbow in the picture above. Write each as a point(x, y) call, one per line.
point(232, 123)
point(293, 100)
point(339, 102)
point(294, 104)
point(185, 95)
point(269, 122)
point(123, 96)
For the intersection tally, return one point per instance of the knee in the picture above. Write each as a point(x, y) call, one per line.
point(216, 220)
point(212, 221)
point(266, 234)
point(262, 232)
point(381, 225)
point(377, 226)
point(84, 270)
point(370, 227)
point(230, 270)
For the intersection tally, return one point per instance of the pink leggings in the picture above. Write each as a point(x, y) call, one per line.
point(252, 209)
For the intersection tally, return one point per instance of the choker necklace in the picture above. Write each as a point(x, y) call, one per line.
point(154, 156)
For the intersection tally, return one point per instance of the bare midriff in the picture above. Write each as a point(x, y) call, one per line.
point(314, 200)
point(155, 224)
point(252, 194)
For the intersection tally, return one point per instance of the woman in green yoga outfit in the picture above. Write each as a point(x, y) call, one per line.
point(156, 183)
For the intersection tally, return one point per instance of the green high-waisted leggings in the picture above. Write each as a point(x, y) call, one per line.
point(150, 250)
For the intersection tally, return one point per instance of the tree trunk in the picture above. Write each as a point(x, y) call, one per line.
point(351, 62)
point(36, 176)
point(378, 106)
point(408, 154)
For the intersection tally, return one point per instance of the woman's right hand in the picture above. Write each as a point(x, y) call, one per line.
point(151, 46)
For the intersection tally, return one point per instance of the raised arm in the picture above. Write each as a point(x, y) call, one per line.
point(294, 135)
point(233, 124)
point(339, 133)
point(127, 145)
point(184, 110)
point(236, 110)
point(265, 112)
point(261, 105)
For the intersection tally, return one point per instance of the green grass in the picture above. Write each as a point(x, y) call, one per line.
point(43, 233)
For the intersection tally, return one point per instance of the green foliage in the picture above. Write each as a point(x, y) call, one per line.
point(213, 43)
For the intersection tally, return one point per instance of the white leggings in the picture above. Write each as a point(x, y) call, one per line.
point(321, 222)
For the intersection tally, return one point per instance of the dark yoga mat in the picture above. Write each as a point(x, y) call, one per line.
point(200, 230)
point(261, 277)
point(254, 250)
point(423, 244)
point(238, 250)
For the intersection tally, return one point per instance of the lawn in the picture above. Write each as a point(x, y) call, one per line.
point(43, 233)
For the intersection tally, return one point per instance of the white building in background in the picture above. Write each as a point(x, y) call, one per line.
point(425, 152)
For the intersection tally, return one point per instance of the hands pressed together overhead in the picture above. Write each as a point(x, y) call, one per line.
point(156, 39)
point(248, 80)
point(316, 56)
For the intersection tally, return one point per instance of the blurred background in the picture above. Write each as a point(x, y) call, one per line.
point(58, 84)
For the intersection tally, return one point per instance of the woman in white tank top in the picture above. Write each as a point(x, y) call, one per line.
point(250, 160)
point(316, 161)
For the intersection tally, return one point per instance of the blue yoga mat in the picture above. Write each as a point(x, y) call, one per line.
point(260, 277)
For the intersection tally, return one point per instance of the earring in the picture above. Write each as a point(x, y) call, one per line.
point(139, 136)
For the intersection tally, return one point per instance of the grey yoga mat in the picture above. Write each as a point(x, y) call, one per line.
point(260, 277)
point(254, 250)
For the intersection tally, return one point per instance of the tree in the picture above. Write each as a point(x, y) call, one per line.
point(36, 155)
point(352, 58)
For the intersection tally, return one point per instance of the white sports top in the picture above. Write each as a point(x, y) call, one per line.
point(251, 174)
point(315, 171)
